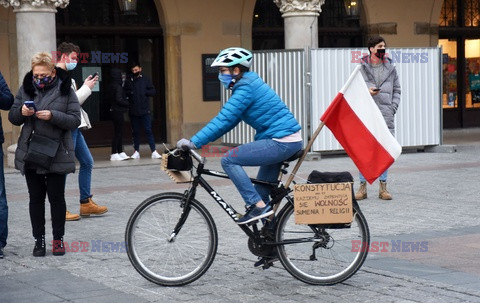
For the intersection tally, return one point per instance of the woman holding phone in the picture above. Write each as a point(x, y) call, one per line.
point(383, 83)
point(57, 113)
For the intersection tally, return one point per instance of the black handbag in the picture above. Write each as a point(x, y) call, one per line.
point(180, 161)
point(41, 150)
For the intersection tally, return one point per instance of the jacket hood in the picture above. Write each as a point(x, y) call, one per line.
point(63, 75)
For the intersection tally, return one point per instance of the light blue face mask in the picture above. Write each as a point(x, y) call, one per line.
point(225, 79)
point(71, 65)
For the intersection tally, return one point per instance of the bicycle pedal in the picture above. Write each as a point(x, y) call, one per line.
point(265, 263)
point(259, 263)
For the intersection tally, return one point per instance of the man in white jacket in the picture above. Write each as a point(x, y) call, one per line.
point(68, 61)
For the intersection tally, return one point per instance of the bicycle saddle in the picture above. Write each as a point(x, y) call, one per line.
point(296, 156)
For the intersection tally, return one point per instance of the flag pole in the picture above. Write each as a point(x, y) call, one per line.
point(299, 162)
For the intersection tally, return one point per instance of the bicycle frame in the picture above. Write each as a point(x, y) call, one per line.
point(232, 213)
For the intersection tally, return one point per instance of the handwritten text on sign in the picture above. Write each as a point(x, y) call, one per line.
point(323, 203)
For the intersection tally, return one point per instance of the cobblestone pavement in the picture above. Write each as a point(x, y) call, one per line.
point(435, 203)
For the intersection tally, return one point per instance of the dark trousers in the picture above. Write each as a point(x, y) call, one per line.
point(118, 120)
point(137, 123)
point(39, 185)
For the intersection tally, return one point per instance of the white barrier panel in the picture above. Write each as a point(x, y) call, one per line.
point(288, 72)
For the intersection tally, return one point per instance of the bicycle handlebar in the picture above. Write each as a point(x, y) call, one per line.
point(196, 156)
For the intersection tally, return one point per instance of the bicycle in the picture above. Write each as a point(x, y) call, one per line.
point(172, 238)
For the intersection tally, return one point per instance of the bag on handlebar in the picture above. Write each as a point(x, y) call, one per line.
point(179, 161)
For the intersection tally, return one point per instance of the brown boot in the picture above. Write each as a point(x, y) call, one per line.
point(71, 217)
point(91, 208)
point(362, 191)
point(383, 193)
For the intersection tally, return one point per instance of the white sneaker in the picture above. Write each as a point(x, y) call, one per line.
point(115, 157)
point(136, 155)
point(156, 155)
point(123, 156)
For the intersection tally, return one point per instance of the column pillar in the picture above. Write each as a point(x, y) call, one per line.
point(36, 31)
point(301, 22)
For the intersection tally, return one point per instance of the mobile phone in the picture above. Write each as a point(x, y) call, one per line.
point(94, 75)
point(376, 89)
point(30, 104)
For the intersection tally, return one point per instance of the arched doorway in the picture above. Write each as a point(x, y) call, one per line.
point(107, 39)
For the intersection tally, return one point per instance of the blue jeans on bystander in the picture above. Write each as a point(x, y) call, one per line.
point(383, 177)
point(84, 157)
point(137, 123)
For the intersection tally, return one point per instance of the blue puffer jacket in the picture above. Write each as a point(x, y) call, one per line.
point(254, 102)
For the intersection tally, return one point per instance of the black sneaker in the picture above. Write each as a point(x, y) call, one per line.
point(39, 249)
point(255, 213)
point(57, 247)
point(1, 252)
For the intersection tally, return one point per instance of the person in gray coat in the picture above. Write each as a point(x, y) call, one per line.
point(56, 113)
point(382, 81)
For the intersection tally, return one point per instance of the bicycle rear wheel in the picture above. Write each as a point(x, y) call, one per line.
point(158, 257)
point(328, 254)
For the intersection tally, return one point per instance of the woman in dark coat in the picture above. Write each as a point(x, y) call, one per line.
point(56, 113)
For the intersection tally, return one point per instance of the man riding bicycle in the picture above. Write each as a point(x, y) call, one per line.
point(277, 131)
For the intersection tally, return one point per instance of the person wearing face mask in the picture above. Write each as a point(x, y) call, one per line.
point(384, 86)
point(277, 131)
point(55, 115)
point(68, 61)
point(138, 90)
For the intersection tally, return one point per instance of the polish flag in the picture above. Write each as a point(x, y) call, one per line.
point(357, 123)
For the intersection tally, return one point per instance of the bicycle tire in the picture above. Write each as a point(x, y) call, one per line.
point(334, 261)
point(164, 262)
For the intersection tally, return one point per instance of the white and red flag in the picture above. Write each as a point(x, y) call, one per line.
point(358, 125)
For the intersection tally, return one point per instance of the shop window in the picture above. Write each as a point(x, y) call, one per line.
point(472, 77)
point(449, 63)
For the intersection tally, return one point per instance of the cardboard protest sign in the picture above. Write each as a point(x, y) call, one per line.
point(323, 203)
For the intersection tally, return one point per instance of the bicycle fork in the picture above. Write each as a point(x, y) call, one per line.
point(188, 195)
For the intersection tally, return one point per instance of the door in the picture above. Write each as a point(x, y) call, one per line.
point(107, 39)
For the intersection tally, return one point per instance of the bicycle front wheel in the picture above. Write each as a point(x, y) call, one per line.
point(321, 255)
point(165, 259)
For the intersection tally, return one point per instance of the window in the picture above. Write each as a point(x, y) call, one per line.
point(448, 16)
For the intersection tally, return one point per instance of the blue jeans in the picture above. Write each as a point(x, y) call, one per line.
point(268, 154)
point(85, 159)
point(137, 123)
point(383, 177)
point(3, 205)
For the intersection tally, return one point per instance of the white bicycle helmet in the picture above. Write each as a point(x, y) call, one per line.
point(233, 56)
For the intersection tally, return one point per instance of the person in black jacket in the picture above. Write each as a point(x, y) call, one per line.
point(6, 101)
point(139, 90)
point(55, 115)
point(118, 107)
